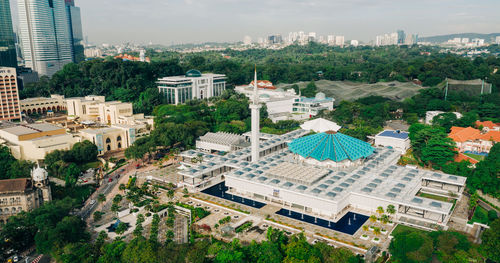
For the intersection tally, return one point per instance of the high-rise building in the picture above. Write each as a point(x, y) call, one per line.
point(76, 33)
point(9, 95)
point(339, 41)
point(8, 57)
point(401, 37)
point(45, 35)
point(497, 40)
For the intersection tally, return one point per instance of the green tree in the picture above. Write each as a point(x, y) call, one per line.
point(20, 169)
point(491, 241)
point(411, 247)
point(6, 161)
point(72, 173)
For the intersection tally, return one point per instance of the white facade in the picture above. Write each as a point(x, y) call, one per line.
point(116, 137)
point(194, 85)
point(33, 141)
point(45, 35)
point(95, 108)
point(398, 140)
point(312, 106)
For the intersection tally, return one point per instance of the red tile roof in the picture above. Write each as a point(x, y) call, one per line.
point(491, 136)
point(264, 84)
point(459, 134)
point(488, 124)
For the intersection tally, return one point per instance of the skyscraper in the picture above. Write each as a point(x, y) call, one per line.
point(45, 35)
point(8, 57)
point(75, 26)
point(401, 37)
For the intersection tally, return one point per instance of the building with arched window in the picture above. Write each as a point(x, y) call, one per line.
point(41, 105)
point(24, 194)
point(114, 138)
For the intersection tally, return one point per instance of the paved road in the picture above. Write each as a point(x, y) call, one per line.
point(105, 189)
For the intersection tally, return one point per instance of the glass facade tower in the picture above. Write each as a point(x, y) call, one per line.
point(45, 35)
point(8, 57)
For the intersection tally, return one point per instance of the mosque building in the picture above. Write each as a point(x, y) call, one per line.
point(321, 172)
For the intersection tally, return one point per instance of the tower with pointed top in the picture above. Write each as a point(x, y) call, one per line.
point(255, 108)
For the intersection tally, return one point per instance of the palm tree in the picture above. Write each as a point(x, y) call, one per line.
point(365, 228)
point(385, 218)
point(170, 194)
point(380, 210)
point(376, 231)
point(391, 209)
point(373, 218)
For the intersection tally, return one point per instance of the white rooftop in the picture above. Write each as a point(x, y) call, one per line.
point(320, 125)
point(224, 138)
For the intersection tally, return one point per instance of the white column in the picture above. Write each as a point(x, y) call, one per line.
point(255, 131)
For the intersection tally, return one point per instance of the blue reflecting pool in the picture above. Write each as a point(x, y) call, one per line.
point(348, 224)
point(219, 190)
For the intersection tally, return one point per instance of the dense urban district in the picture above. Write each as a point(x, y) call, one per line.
point(252, 156)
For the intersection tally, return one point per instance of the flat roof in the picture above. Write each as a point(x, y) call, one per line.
point(394, 134)
point(378, 178)
point(24, 129)
point(297, 173)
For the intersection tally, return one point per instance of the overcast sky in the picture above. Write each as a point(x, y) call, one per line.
point(195, 21)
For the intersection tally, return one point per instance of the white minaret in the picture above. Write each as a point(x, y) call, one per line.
point(255, 107)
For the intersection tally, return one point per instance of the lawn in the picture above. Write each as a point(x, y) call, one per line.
point(402, 228)
point(435, 197)
point(480, 216)
point(475, 156)
point(85, 167)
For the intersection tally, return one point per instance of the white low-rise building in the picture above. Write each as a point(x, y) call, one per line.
point(97, 109)
point(116, 137)
point(33, 141)
point(398, 140)
point(194, 85)
point(279, 102)
point(286, 104)
point(221, 142)
point(312, 106)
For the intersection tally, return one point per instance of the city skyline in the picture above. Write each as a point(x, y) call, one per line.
point(196, 21)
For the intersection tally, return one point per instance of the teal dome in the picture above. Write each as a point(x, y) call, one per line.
point(193, 73)
point(330, 145)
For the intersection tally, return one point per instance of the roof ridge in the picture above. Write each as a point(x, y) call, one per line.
point(314, 148)
point(342, 146)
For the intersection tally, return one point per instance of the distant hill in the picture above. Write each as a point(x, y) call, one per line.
point(489, 38)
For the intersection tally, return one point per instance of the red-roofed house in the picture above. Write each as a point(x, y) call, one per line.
point(264, 84)
point(488, 126)
point(470, 139)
